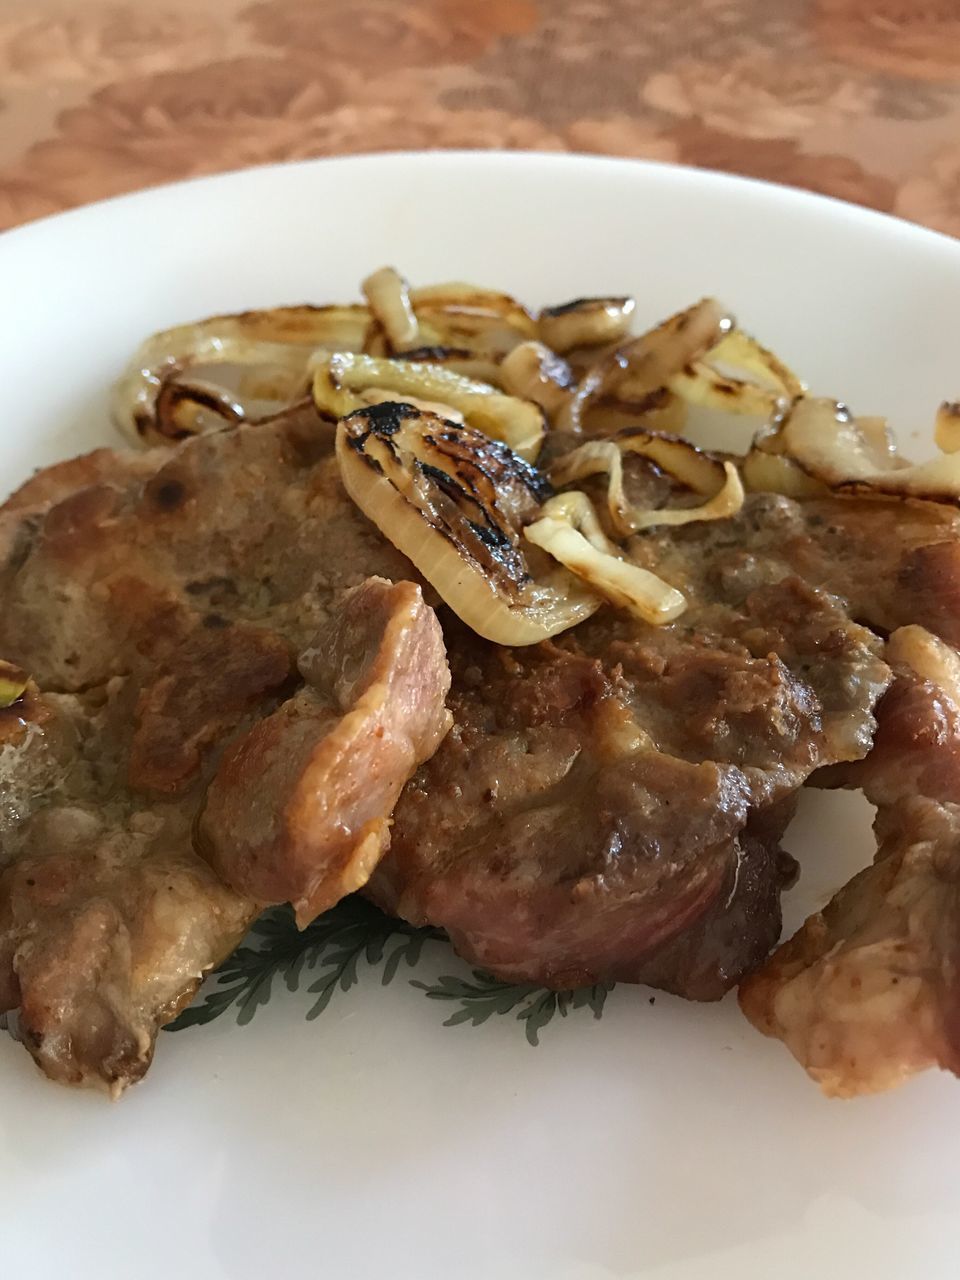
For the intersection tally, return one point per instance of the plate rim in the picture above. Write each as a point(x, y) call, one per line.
point(799, 197)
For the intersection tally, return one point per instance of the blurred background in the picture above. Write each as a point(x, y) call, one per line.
point(854, 98)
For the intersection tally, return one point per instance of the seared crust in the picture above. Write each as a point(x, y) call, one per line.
point(866, 993)
point(160, 602)
point(299, 808)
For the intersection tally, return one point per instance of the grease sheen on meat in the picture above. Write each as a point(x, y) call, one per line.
point(608, 807)
point(167, 605)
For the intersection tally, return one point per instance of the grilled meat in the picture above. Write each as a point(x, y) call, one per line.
point(176, 611)
point(608, 806)
point(866, 993)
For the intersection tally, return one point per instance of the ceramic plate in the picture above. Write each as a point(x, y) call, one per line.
point(662, 1139)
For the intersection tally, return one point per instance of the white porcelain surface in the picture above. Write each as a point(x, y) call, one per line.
point(665, 1141)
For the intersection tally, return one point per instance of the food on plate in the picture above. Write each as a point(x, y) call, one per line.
point(208, 615)
point(443, 600)
point(865, 994)
point(299, 807)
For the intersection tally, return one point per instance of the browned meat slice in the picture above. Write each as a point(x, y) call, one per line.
point(162, 609)
point(608, 806)
point(108, 919)
point(868, 991)
point(299, 807)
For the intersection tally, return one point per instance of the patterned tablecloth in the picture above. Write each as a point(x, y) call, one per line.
point(856, 98)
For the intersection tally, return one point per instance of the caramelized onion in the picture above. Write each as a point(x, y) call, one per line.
point(691, 466)
point(774, 473)
point(567, 529)
point(281, 340)
point(585, 322)
point(454, 502)
point(823, 439)
point(339, 378)
point(700, 384)
point(946, 431)
point(480, 368)
point(724, 504)
point(389, 297)
point(646, 365)
point(13, 684)
point(534, 372)
point(463, 315)
point(742, 354)
point(927, 656)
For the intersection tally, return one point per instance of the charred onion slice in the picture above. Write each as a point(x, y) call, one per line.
point(463, 315)
point(740, 353)
point(389, 297)
point(691, 466)
point(585, 322)
point(454, 502)
point(425, 406)
point(724, 504)
point(567, 529)
point(13, 684)
point(339, 378)
point(281, 340)
point(646, 365)
point(701, 384)
point(462, 360)
point(774, 473)
point(824, 440)
point(946, 431)
point(534, 372)
point(737, 376)
point(926, 655)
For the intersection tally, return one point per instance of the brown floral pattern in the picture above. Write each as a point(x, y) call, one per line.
point(932, 196)
point(383, 34)
point(89, 44)
point(906, 37)
point(854, 98)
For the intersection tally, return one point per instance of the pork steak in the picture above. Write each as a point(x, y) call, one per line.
point(206, 615)
point(608, 806)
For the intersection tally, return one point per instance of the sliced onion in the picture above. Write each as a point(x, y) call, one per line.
point(282, 339)
point(585, 322)
point(661, 411)
point(188, 408)
point(339, 378)
point(389, 297)
point(645, 366)
point(534, 372)
point(741, 353)
point(596, 458)
point(694, 467)
point(728, 502)
point(700, 384)
point(13, 684)
point(480, 368)
point(650, 361)
point(774, 473)
point(927, 656)
point(568, 530)
point(946, 431)
point(454, 502)
point(463, 315)
point(691, 466)
point(881, 441)
point(445, 411)
point(822, 438)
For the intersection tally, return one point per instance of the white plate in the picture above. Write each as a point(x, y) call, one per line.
point(666, 1141)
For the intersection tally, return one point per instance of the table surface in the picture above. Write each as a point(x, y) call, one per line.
point(856, 98)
